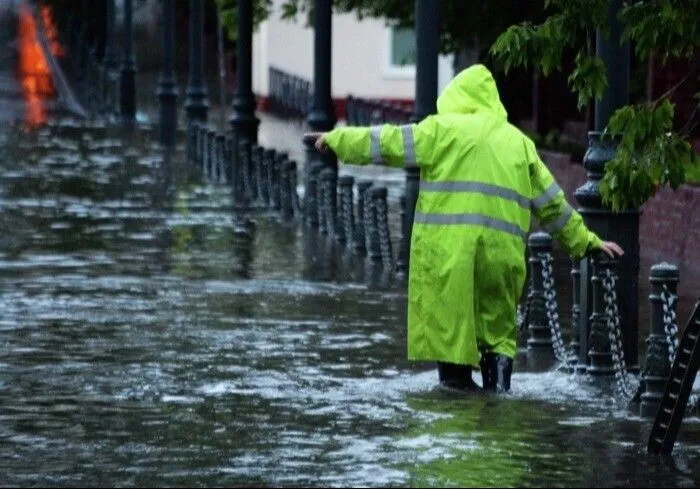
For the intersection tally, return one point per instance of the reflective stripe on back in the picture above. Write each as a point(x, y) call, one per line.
point(478, 187)
point(477, 219)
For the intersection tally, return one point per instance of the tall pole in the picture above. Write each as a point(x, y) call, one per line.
point(111, 60)
point(197, 103)
point(622, 227)
point(128, 71)
point(243, 120)
point(427, 51)
point(167, 93)
point(321, 117)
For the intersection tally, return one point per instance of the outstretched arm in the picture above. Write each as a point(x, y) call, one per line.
point(388, 144)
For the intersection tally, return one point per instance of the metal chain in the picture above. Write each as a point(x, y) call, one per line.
point(612, 314)
point(550, 296)
point(668, 300)
point(523, 311)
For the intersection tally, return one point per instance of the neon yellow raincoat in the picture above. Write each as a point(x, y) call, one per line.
point(481, 178)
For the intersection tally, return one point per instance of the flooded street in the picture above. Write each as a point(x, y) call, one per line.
point(146, 342)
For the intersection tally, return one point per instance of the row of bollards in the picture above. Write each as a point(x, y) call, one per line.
point(360, 224)
point(355, 215)
point(601, 334)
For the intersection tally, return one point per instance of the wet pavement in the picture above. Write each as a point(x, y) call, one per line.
point(146, 343)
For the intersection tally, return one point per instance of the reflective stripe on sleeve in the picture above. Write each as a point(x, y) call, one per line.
point(375, 149)
point(409, 147)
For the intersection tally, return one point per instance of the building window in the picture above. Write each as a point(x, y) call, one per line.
point(403, 47)
point(400, 53)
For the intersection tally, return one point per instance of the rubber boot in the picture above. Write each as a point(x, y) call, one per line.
point(454, 376)
point(496, 370)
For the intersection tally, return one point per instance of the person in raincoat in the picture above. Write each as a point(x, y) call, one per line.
point(480, 180)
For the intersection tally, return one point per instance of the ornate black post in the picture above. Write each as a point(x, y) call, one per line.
point(166, 85)
point(540, 353)
point(663, 281)
point(197, 104)
point(427, 50)
point(128, 71)
point(600, 353)
point(111, 60)
point(622, 227)
point(321, 117)
point(243, 120)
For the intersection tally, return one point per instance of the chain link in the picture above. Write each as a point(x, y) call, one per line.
point(612, 315)
point(523, 311)
point(550, 296)
point(668, 300)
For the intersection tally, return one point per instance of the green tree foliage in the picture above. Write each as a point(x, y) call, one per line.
point(465, 24)
point(651, 154)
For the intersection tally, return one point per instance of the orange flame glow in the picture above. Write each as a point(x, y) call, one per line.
point(33, 68)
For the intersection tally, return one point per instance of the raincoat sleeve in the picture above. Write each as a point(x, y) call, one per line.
point(388, 144)
point(556, 215)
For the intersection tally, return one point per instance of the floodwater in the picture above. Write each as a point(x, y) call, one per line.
point(146, 342)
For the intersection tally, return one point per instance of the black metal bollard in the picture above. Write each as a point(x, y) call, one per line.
point(269, 156)
point(346, 213)
point(220, 174)
point(293, 184)
point(311, 202)
point(600, 352)
point(191, 144)
point(662, 341)
point(401, 263)
point(361, 228)
point(127, 81)
point(204, 155)
point(540, 352)
point(326, 218)
point(277, 170)
point(287, 190)
point(258, 171)
point(211, 155)
point(243, 165)
point(381, 212)
point(371, 233)
point(228, 158)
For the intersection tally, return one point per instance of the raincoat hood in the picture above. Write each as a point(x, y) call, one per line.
point(472, 91)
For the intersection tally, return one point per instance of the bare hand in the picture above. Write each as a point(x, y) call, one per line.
point(611, 248)
point(318, 140)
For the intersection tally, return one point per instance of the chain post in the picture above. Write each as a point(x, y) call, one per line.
point(540, 353)
point(662, 342)
point(600, 354)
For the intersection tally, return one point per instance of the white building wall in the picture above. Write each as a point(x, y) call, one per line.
point(360, 57)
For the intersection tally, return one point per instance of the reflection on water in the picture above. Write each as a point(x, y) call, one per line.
point(146, 340)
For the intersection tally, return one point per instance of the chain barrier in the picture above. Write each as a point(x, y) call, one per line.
point(612, 314)
point(550, 296)
point(523, 311)
point(668, 300)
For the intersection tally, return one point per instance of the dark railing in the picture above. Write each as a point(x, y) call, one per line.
point(365, 112)
point(289, 95)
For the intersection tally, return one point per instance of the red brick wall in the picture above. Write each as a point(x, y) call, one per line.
point(669, 227)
